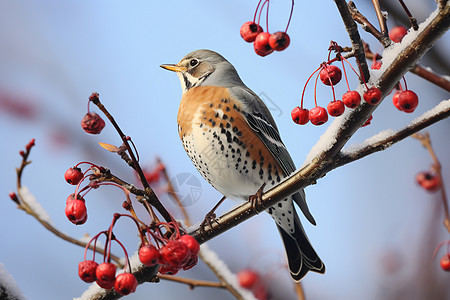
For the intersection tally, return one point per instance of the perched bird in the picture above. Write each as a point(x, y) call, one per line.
point(233, 141)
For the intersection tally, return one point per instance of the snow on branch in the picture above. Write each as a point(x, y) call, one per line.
point(8, 287)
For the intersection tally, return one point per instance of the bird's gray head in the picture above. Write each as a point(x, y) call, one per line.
point(204, 67)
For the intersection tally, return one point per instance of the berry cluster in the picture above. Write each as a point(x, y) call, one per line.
point(105, 273)
point(250, 279)
point(177, 252)
point(76, 210)
point(330, 75)
point(265, 43)
point(172, 250)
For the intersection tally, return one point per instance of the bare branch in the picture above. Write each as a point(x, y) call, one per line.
point(384, 38)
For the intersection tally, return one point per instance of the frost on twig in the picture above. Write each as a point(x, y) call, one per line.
point(33, 206)
point(8, 287)
point(219, 267)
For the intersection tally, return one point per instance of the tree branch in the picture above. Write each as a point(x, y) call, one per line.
point(323, 155)
point(355, 38)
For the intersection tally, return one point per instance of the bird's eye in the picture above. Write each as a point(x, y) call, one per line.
point(193, 62)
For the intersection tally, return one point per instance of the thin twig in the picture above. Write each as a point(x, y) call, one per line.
point(355, 38)
point(23, 205)
point(434, 78)
point(154, 201)
point(299, 291)
point(192, 283)
point(365, 23)
point(437, 167)
point(412, 20)
point(384, 39)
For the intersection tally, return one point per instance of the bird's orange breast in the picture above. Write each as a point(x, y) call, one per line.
point(209, 107)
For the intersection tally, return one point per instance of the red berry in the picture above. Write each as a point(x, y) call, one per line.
point(279, 40)
point(149, 255)
point(429, 181)
point(76, 211)
point(261, 44)
point(247, 278)
point(397, 33)
point(191, 243)
point(106, 275)
point(330, 72)
point(318, 115)
point(408, 101)
point(445, 262)
point(300, 115)
point(73, 175)
point(125, 283)
point(92, 123)
point(351, 99)
point(72, 197)
point(249, 31)
point(336, 108)
point(376, 65)
point(372, 95)
point(86, 270)
point(368, 121)
point(168, 270)
point(395, 100)
point(175, 253)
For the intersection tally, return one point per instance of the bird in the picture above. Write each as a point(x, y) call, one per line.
point(233, 141)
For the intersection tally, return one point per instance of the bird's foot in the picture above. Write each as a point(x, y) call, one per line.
point(210, 217)
point(256, 199)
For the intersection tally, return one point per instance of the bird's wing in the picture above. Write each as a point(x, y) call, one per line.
point(260, 120)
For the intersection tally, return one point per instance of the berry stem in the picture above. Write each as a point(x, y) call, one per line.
point(127, 264)
point(315, 88)
point(134, 147)
point(290, 16)
point(404, 81)
point(345, 73)
point(412, 20)
point(332, 87)
point(267, 16)
point(304, 87)
point(256, 12)
point(260, 11)
point(362, 74)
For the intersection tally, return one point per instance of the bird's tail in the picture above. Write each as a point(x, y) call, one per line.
point(300, 253)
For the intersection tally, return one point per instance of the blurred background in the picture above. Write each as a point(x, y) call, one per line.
point(376, 229)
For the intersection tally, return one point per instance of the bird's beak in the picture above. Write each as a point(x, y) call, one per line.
point(174, 68)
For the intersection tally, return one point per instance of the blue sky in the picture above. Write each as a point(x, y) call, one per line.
point(54, 55)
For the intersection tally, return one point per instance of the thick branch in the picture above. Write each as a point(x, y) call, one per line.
point(318, 168)
point(338, 133)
